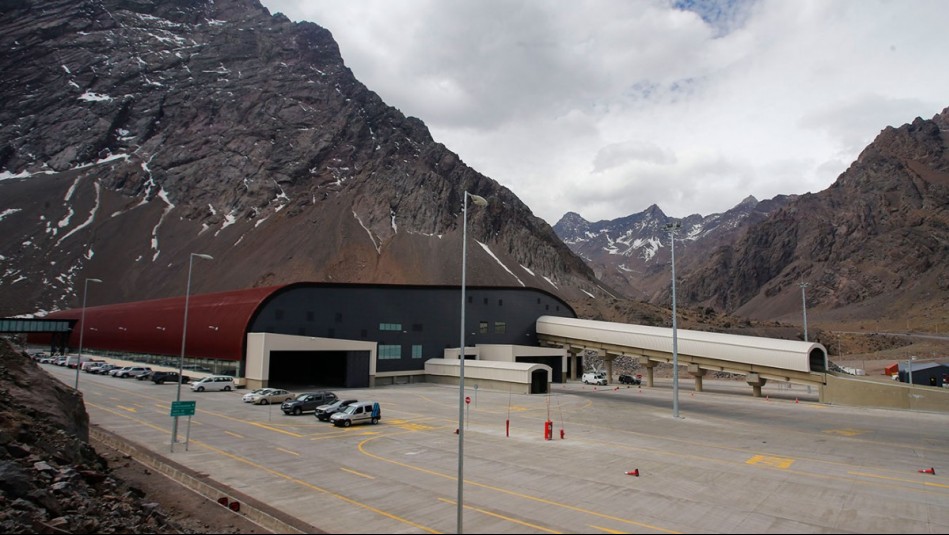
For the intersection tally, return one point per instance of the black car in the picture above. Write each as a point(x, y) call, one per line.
point(324, 412)
point(306, 402)
point(629, 380)
point(168, 377)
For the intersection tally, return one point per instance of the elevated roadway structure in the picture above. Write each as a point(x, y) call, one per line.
point(759, 359)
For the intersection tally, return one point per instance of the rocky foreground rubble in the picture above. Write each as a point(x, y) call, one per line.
point(51, 479)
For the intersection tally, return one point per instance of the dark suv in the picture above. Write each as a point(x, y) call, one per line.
point(307, 401)
point(324, 412)
point(629, 380)
point(168, 377)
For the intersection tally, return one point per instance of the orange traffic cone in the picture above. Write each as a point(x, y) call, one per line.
point(928, 471)
point(633, 472)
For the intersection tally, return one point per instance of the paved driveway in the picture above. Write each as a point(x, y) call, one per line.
point(730, 464)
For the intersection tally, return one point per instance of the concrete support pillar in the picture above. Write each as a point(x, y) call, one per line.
point(609, 367)
point(756, 382)
point(644, 361)
point(698, 374)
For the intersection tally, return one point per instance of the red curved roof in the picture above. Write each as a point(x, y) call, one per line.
point(217, 324)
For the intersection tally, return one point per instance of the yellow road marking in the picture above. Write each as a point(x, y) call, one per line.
point(272, 428)
point(502, 517)
point(845, 432)
point(901, 480)
point(288, 451)
point(774, 462)
point(356, 473)
point(235, 435)
point(607, 530)
point(129, 409)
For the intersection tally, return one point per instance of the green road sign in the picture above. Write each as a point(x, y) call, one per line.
point(183, 408)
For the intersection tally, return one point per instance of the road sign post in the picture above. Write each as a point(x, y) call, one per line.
point(182, 408)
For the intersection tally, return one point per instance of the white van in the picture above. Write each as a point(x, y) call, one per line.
point(594, 378)
point(214, 383)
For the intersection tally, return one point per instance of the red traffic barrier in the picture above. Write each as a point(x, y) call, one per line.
point(222, 500)
point(235, 506)
point(561, 433)
point(633, 472)
point(928, 471)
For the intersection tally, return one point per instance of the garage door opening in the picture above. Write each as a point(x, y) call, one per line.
point(539, 382)
point(308, 370)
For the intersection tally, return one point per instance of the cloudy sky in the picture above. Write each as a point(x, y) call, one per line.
point(606, 107)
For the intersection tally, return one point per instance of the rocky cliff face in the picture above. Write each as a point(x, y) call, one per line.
point(134, 133)
point(875, 245)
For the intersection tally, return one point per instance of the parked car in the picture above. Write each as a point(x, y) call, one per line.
point(160, 378)
point(114, 372)
point(90, 363)
point(144, 376)
point(250, 396)
point(268, 396)
point(594, 378)
point(361, 412)
point(102, 369)
point(323, 412)
point(131, 371)
point(214, 383)
point(630, 380)
point(307, 401)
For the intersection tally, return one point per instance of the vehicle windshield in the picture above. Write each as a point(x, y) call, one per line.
point(349, 409)
point(302, 397)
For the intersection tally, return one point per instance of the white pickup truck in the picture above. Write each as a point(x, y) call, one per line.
point(594, 378)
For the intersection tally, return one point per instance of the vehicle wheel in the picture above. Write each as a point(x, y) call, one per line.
point(200, 389)
point(227, 389)
point(347, 423)
point(374, 420)
point(297, 411)
point(264, 402)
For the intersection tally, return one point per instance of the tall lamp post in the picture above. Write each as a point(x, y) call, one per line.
point(82, 328)
point(804, 306)
point(184, 335)
point(672, 227)
point(480, 201)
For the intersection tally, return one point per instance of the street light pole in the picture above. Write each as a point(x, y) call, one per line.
point(804, 285)
point(675, 337)
point(184, 335)
point(82, 328)
point(480, 201)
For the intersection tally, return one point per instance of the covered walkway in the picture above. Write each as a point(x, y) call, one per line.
point(758, 358)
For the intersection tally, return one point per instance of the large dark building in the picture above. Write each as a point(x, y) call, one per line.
point(335, 335)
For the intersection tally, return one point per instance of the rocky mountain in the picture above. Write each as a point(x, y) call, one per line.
point(872, 247)
point(136, 132)
point(632, 254)
point(872, 250)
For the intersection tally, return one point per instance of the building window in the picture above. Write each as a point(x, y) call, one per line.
point(417, 327)
point(387, 352)
point(416, 351)
point(500, 327)
point(397, 327)
point(483, 327)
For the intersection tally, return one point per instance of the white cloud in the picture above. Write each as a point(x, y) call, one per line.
point(606, 107)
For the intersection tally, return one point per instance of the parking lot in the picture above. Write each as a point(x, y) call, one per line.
point(730, 463)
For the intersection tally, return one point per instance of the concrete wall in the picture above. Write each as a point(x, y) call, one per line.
point(857, 392)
